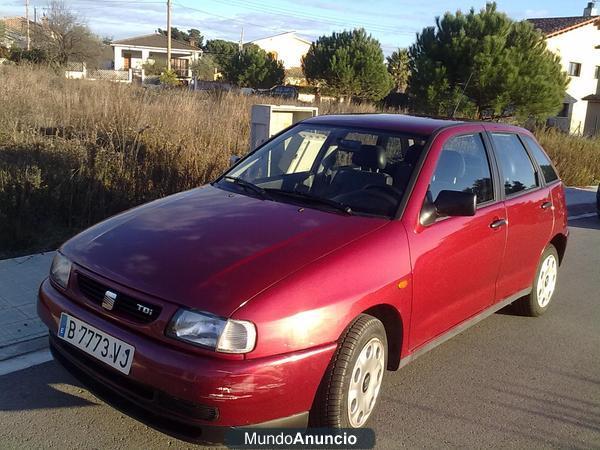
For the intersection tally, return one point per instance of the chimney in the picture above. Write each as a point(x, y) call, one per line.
point(590, 9)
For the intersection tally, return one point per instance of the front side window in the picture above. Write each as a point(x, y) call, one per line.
point(542, 159)
point(516, 168)
point(463, 166)
point(361, 171)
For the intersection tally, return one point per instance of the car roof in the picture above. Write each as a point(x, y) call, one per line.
point(402, 123)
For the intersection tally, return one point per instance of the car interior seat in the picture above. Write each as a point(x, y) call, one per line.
point(407, 166)
point(370, 161)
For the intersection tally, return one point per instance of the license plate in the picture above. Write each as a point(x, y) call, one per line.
point(97, 343)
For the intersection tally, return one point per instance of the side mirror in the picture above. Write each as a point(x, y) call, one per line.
point(428, 214)
point(455, 203)
point(448, 203)
point(233, 159)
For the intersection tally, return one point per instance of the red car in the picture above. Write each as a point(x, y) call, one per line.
point(281, 293)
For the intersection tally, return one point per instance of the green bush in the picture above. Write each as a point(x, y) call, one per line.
point(576, 158)
point(169, 78)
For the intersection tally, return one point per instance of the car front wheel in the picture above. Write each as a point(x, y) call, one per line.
point(350, 388)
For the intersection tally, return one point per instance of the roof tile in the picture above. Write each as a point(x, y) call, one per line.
point(551, 25)
point(155, 40)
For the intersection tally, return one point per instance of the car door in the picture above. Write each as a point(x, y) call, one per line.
point(529, 212)
point(456, 259)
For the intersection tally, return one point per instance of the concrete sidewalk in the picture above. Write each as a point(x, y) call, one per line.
point(22, 332)
point(20, 329)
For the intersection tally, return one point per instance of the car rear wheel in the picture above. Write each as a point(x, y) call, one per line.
point(544, 285)
point(350, 388)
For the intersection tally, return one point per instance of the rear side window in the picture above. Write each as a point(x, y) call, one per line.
point(516, 168)
point(463, 166)
point(542, 159)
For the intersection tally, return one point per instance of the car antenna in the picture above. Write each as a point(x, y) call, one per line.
point(462, 94)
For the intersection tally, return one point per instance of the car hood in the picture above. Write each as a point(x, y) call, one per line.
point(211, 249)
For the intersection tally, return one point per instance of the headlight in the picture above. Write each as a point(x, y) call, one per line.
point(216, 333)
point(60, 270)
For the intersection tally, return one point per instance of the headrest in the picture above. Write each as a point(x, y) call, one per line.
point(412, 154)
point(371, 157)
point(450, 166)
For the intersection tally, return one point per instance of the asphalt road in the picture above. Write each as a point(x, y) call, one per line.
point(509, 381)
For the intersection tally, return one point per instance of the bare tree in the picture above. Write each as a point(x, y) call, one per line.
point(65, 37)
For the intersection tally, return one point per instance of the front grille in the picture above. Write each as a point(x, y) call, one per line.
point(76, 360)
point(125, 306)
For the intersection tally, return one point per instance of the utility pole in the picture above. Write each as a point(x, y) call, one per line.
point(27, 21)
point(241, 44)
point(168, 34)
point(35, 14)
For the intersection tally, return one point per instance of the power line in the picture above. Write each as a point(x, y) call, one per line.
point(240, 21)
point(121, 2)
point(275, 10)
point(321, 19)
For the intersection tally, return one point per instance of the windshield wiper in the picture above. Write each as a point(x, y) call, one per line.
point(312, 199)
point(248, 186)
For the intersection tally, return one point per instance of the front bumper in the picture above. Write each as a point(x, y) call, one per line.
point(196, 392)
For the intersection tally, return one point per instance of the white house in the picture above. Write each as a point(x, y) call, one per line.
point(577, 41)
point(286, 47)
point(132, 53)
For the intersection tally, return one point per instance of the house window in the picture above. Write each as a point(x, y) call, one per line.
point(564, 112)
point(574, 69)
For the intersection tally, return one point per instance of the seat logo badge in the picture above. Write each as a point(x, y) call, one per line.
point(108, 302)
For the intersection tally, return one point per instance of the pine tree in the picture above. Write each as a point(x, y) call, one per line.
point(349, 63)
point(221, 50)
point(398, 68)
point(485, 65)
point(253, 67)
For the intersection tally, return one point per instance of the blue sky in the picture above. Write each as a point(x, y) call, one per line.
point(393, 22)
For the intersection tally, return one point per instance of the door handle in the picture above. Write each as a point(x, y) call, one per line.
point(498, 223)
point(546, 205)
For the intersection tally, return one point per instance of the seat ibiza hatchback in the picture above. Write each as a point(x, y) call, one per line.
point(281, 293)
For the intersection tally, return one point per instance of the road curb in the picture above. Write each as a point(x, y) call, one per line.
point(25, 361)
point(23, 347)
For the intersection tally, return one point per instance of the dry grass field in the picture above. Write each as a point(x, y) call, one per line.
point(74, 152)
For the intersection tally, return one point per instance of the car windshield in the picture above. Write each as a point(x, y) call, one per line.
point(351, 171)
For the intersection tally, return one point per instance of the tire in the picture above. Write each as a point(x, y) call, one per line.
point(350, 385)
point(544, 285)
